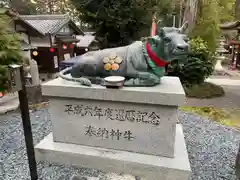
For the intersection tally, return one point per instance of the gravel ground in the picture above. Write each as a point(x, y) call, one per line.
point(212, 149)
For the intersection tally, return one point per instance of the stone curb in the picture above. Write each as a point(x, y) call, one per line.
point(76, 177)
point(7, 98)
point(224, 82)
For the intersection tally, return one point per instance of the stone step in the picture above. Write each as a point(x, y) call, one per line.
point(224, 81)
point(114, 176)
point(108, 160)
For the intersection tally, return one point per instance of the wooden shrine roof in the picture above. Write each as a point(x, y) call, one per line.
point(50, 24)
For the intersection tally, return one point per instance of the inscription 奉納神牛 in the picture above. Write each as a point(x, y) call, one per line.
point(114, 134)
point(113, 114)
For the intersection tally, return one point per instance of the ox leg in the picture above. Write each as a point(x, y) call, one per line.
point(143, 79)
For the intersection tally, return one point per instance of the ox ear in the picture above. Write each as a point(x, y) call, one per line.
point(184, 27)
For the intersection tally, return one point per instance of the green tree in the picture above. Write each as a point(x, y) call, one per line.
point(10, 52)
point(46, 7)
point(227, 10)
point(24, 7)
point(209, 16)
point(116, 22)
point(166, 10)
point(207, 22)
point(21, 6)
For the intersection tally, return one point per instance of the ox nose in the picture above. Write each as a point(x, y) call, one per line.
point(183, 47)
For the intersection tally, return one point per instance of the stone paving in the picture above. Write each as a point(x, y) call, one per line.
point(229, 101)
point(9, 102)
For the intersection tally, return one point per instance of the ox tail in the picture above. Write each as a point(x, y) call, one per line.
point(64, 74)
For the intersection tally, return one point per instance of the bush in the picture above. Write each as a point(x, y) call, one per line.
point(198, 66)
point(116, 23)
point(10, 52)
point(204, 91)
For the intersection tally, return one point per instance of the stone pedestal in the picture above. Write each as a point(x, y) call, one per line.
point(130, 130)
point(34, 73)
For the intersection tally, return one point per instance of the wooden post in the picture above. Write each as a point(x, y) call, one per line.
point(24, 108)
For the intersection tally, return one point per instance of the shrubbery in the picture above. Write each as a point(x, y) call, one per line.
point(198, 66)
point(9, 51)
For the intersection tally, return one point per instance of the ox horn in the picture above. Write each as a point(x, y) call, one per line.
point(184, 26)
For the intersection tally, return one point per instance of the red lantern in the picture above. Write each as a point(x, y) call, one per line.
point(51, 49)
point(71, 46)
point(64, 46)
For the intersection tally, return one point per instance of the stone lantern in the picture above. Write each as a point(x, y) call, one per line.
point(220, 57)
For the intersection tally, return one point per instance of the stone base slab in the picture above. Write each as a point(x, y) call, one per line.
point(142, 165)
point(75, 177)
point(114, 126)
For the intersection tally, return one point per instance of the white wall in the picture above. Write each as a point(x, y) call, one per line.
point(40, 42)
point(65, 29)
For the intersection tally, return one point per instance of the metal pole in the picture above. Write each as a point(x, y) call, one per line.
point(27, 128)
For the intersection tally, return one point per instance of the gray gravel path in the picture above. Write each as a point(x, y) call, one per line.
point(212, 149)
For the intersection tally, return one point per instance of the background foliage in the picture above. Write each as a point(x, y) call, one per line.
point(115, 22)
point(119, 23)
point(209, 16)
point(198, 66)
point(207, 23)
point(200, 63)
point(9, 50)
point(32, 7)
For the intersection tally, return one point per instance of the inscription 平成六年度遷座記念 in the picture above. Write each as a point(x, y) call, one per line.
point(104, 133)
point(114, 114)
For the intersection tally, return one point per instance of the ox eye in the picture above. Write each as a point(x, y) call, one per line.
point(166, 39)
